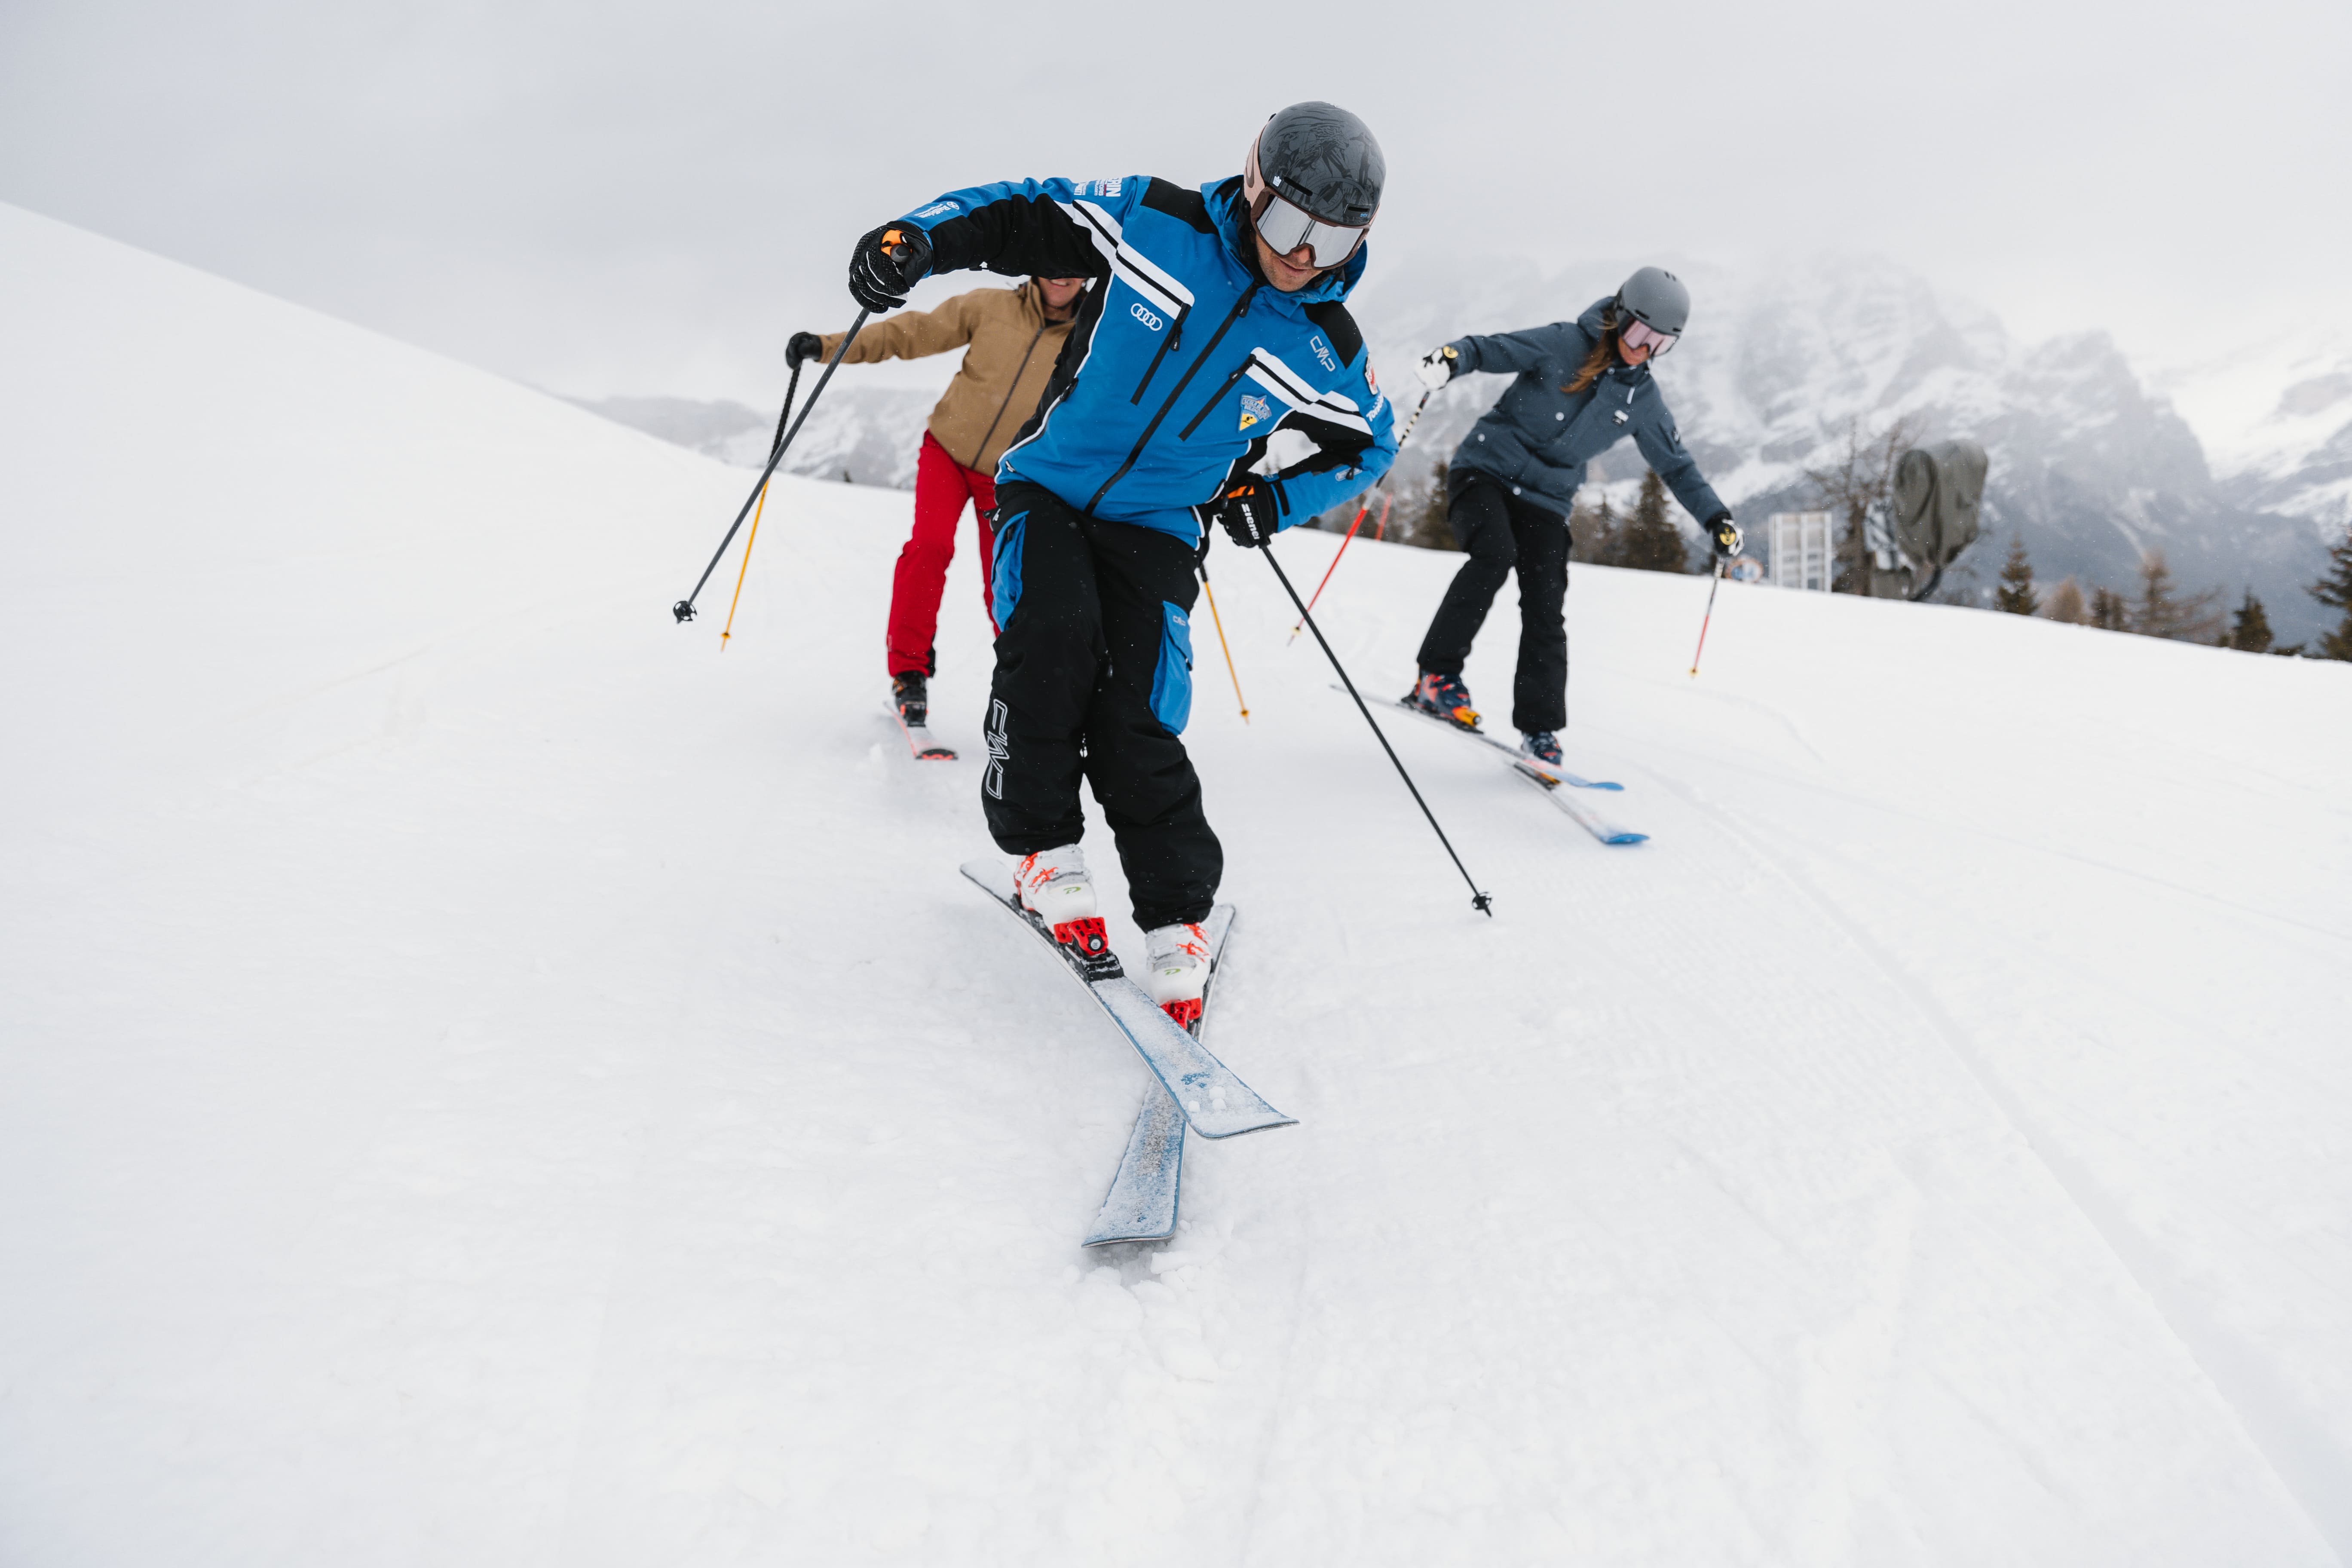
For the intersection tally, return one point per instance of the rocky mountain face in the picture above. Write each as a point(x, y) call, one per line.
point(2278, 417)
point(2089, 465)
point(864, 435)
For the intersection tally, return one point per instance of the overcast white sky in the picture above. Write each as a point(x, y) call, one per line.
point(606, 199)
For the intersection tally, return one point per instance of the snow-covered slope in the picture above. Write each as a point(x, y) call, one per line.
point(493, 1079)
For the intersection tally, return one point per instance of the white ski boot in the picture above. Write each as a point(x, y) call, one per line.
point(1176, 963)
point(1052, 885)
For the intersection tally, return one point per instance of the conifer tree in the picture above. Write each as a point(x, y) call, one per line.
point(2066, 604)
point(1652, 541)
point(2110, 612)
point(1427, 525)
point(1595, 534)
point(2016, 594)
point(2335, 590)
point(2163, 613)
point(2250, 628)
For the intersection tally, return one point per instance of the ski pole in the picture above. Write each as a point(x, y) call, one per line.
point(1381, 489)
point(684, 609)
point(1218, 622)
point(1711, 587)
point(752, 542)
point(1483, 902)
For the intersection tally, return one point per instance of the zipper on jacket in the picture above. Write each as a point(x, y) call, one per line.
point(1175, 337)
point(1192, 370)
point(1033, 342)
point(1215, 398)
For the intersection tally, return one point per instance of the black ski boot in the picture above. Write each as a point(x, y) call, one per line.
point(910, 696)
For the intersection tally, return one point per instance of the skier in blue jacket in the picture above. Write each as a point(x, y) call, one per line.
point(1223, 321)
point(1581, 387)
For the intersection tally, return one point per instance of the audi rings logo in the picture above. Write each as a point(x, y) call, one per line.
point(1145, 317)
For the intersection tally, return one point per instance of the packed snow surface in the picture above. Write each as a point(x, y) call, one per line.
point(493, 1079)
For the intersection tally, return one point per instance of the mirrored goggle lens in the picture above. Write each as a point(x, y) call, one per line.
point(1641, 335)
point(1286, 227)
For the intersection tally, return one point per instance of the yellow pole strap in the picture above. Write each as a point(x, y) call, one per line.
point(728, 629)
point(1218, 622)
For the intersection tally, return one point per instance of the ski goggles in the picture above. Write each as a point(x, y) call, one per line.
point(1285, 227)
point(1638, 335)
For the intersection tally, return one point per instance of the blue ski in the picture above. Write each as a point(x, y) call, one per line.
point(1557, 775)
point(1141, 1202)
point(1214, 1103)
point(1583, 816)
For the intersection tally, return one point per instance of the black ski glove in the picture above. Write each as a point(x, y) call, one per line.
point(1726, 534)
point(804, 347)
point(886, 263)
point(1251, 509)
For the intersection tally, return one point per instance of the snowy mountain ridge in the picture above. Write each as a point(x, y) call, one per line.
point(2089, 464)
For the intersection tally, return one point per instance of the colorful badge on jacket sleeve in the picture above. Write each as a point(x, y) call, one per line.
point(1253, 409)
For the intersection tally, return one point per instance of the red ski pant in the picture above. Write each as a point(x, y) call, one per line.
point(942, 486)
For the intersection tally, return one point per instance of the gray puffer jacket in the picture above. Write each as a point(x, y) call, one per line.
point(1539, 437)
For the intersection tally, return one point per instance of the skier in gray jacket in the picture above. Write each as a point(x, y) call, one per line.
point(1581, 387)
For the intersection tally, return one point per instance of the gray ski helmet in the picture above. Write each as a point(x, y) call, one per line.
point(1655, 298)
point(1322, 159)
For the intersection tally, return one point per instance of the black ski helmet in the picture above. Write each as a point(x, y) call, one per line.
point(1322, 159)
point(1655, 298)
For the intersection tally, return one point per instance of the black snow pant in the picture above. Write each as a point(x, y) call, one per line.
point(1503, 531)
point(1094, 676)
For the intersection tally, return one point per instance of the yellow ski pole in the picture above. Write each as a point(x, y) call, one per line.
point(1218, 622)
point(750, 544)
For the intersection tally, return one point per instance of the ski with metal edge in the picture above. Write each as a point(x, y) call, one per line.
point(1141, 1202)
point(1214, 1102)
point(918, 738)
point(1578, 812)
point(1508, 750)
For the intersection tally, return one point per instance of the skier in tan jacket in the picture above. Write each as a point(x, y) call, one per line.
point(1010, 338)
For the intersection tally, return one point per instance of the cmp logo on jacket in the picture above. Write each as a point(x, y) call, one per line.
point(1255, 409)
point(1323, 354)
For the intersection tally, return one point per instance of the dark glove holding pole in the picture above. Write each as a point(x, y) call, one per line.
point(1726, 534)
point(1250, 510)
point(802, 348)
point(885, 264)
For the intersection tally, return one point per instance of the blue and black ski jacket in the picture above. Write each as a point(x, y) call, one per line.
point(1539, 435)
point(1183, 361)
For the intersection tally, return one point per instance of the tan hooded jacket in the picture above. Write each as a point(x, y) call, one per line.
point(1010, 357)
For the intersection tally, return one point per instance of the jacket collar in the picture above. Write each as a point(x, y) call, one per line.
point(1225, 202)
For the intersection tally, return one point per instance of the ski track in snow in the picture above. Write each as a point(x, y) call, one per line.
point(496, 1079)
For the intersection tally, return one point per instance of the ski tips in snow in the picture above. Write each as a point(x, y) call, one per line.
point(1583, 816)
point(1215, 1102)
point(1144, 1195)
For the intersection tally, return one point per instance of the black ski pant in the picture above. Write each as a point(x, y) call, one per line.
point(1502, 532)
point(1094, 676)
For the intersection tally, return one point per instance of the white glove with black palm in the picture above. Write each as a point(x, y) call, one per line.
point(1438, 366)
